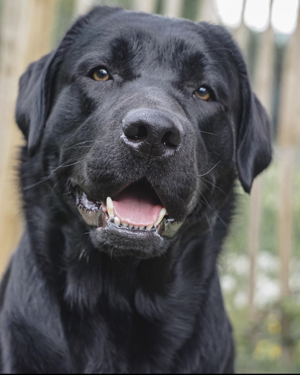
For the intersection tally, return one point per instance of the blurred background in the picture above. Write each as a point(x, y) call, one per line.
point(260, 267)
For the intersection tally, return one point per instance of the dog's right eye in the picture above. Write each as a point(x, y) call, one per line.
point(100, 74)
point(204, 93)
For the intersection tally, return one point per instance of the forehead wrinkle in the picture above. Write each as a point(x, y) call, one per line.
point(126, 48)
point(180, 51)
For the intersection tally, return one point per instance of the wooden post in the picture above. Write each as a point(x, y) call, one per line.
point(253, 243)
point(83, 6)
point(289, 139)
point(173, 8)
point(263, 84)
point(147, 6)
point(241, 34)
point(207, 12)
point(26, 36)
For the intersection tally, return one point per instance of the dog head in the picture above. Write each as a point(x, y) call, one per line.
point(137, 124)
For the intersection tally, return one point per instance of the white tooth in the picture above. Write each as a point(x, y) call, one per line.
point(136, 227)
point(162, 213)
point(142, 228)
point(110, 207)
point(117, 221)
point(125, 225)
point(149, 227)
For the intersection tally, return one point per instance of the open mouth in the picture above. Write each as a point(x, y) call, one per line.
point(137, 209)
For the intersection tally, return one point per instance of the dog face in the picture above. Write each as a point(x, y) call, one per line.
point(138, 124)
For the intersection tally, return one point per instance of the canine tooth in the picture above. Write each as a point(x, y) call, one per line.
point(117, 221)
point(162, 213)
point(110, 207)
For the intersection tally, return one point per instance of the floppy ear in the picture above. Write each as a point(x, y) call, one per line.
point(33, 101)
point(254, 150)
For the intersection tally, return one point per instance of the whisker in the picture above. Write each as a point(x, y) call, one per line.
point(64, 165)
point(78, 144)
point(208, 222)
point(214, 185)
point(202, 131)
point(44, 179)
point(201, 175)
point(215, 211)
point(205, 200)
point(206, 186)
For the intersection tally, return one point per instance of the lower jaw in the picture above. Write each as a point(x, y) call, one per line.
point(122, 242)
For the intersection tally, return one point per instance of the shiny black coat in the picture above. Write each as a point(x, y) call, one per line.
point(73, 301)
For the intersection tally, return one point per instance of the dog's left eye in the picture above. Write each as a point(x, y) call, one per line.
point(101, 74)
point(204, 93)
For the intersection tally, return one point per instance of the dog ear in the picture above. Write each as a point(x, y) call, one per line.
point(33, 101)
point(254, 150)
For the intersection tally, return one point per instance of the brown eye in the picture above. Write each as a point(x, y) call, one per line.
point(101, 75)
point(204, 94)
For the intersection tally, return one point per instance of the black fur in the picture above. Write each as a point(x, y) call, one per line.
point(76, 301)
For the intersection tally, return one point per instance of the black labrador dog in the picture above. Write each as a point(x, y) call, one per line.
point(136, 127)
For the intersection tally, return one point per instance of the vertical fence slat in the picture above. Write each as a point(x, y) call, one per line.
point(83, 6)
point(147, 6)
point(253, 243)
point(12, 22)
point(285, 218)
point(263, 84)
point(207, 11)
point(289, 139)
point(241, 34)
point(173, 8)
point(26, 35)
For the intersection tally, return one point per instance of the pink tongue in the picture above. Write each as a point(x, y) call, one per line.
point(137, 207)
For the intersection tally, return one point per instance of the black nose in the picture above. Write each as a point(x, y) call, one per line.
point(152, 132)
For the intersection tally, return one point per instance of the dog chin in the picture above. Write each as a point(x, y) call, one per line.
point(122, 242)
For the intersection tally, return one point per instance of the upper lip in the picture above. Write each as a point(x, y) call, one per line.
point(101, 198)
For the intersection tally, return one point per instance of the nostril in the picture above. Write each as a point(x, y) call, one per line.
point(136, 132)
point(152, 132)
point(171, 140)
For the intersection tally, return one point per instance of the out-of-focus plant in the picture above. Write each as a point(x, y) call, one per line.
point(264, 345)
